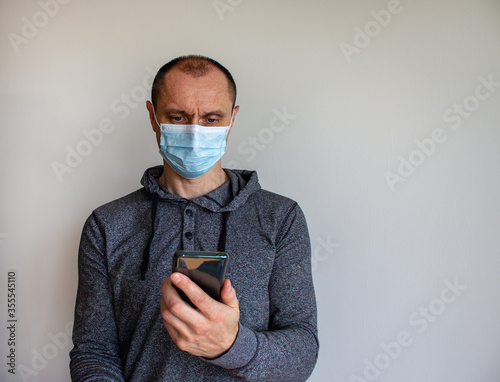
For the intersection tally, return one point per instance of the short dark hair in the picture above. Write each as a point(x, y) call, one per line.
point(195, 65)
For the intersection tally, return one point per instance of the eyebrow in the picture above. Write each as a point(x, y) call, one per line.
point(217, 112)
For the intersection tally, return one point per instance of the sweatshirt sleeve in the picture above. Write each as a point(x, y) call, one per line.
point(289, 349)
point(95, 355)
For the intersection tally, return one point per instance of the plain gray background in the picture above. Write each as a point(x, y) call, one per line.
point(388, 139)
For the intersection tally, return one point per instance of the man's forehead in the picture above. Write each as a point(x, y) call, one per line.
point(177, 77)
point(181, 87)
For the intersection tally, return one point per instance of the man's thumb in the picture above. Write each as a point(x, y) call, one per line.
point(228, 295)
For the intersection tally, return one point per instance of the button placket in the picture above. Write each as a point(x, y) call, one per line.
point(188, 228)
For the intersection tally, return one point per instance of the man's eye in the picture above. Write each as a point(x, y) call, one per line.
point(212, 120)
point(176, 119)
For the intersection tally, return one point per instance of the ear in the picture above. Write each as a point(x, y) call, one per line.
point(152, 120)
point(235, 111)
point(151, 112)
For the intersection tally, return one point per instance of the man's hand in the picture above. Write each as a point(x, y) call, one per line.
point(208, 332)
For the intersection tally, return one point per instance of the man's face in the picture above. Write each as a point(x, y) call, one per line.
point(188, 100)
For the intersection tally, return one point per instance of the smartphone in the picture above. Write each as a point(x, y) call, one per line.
point(206, 269)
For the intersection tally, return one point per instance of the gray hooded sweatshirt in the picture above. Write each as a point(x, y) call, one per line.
point(126, 251)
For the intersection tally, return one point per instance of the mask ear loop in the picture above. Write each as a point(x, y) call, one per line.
point(154, 113)
point(231, 121)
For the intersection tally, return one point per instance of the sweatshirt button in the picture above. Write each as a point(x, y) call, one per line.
point(188, 235)
point(189, 212)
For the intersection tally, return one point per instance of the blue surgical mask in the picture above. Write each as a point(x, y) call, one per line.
point(192, 150)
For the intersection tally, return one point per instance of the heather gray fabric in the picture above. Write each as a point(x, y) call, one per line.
point(118, 331)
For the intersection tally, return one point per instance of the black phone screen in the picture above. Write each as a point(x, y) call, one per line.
point(206, 269)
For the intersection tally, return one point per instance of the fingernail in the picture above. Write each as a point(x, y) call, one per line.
point(175, 278)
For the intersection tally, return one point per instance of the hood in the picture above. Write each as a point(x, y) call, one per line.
point(226, 198)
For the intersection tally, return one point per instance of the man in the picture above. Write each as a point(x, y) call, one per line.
point(130, 323)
